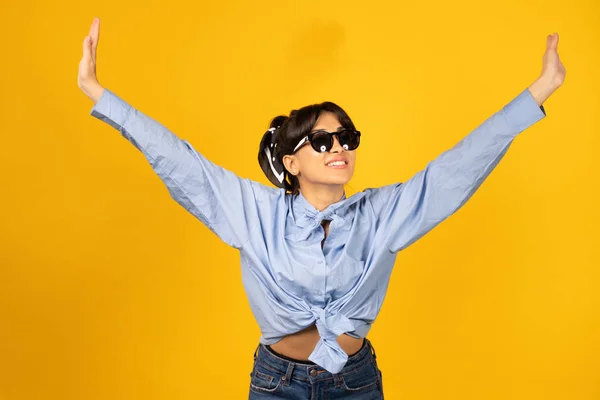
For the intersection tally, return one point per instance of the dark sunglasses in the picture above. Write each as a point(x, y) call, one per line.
point(322, 141)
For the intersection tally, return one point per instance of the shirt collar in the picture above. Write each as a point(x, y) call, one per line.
point(307, 216)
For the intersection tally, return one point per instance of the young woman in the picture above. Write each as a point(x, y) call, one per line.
point(315, 263)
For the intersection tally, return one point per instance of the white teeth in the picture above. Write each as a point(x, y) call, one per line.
point(336, 163)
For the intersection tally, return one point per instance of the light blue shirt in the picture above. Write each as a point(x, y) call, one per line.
point(291, 282)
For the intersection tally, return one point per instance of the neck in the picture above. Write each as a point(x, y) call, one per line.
point(322, 196)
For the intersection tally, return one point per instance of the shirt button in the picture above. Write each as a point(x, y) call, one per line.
point(313, 372)
point(320, 262)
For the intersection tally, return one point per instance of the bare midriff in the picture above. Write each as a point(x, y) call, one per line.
point(300, 345)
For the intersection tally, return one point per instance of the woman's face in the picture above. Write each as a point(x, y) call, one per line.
point(312, 167)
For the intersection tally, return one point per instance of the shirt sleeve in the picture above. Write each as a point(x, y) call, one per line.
point(221, 200)
point(409, 210)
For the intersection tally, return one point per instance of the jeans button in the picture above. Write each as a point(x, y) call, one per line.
point(313, 372)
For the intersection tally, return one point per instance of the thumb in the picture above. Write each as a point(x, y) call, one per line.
point(87, 41)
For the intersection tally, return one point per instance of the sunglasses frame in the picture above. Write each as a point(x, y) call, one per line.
point(308, 138)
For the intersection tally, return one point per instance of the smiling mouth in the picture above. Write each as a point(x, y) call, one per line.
point(337, 164)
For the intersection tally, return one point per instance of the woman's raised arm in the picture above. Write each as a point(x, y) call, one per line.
point(224, 202)
point(409, 210)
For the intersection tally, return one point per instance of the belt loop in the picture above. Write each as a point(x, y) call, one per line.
point(287, 379)
point(372, 348)
point(337, 379)
point(256, 351)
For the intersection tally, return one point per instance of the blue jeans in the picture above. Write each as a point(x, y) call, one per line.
point(275, 376)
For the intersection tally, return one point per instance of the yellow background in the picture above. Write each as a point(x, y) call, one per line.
point(111, 290)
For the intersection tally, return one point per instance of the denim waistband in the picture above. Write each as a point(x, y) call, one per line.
point(311, 372)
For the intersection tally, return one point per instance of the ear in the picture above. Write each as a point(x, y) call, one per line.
point(291, 164)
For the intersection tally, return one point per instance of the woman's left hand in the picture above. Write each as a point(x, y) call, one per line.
point(553, 70)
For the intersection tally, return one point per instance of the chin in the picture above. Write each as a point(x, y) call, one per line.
point(338, 181)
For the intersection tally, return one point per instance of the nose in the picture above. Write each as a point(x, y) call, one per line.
point(337, 147)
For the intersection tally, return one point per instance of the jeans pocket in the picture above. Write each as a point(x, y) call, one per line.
point(264, 380)
point(363, 378)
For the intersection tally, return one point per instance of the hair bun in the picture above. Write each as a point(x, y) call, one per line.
point(278, 121)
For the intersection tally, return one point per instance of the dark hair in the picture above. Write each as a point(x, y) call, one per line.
point(294, 127)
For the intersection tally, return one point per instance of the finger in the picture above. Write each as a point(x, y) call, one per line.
point(554, 41)
point(95, 31)
point(93, 35)
point(551, 42)
point(91, 32)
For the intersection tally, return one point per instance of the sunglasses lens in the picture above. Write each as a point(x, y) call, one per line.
point(321, 142)
point(349, 139)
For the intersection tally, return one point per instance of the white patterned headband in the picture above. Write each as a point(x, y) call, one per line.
point(271, 166)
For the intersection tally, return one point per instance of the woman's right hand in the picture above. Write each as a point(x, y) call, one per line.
point(86, 79)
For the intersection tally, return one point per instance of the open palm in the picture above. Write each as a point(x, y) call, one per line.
point(86, 78)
